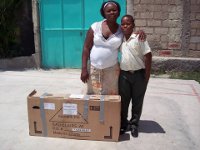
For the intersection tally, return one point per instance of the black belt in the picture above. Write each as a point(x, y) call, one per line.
point(134, 71)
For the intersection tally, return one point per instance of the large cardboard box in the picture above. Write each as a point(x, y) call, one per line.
point(91, 117)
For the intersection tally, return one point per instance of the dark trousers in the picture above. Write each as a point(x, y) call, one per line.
point(132, 86)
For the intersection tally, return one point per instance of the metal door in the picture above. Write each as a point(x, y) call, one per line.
point(63, 25)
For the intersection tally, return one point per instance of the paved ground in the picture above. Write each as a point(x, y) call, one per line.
point(170, 119)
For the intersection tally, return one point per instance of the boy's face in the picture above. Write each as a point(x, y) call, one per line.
point(127, 25)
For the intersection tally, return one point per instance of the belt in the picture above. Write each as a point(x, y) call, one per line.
point(134, 71)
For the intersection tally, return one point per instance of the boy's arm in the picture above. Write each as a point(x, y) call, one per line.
point(147, 61)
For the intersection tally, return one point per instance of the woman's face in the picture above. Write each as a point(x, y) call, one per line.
point(111, 12)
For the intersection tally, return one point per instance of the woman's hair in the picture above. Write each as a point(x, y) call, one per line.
point(105, 3)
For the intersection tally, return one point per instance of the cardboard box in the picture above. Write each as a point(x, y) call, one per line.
point(91, 117)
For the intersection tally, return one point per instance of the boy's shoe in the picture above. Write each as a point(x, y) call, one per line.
point(134, 131)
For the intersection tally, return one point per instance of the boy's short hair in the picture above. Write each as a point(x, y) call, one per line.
point(130, 17)
point(103, 5)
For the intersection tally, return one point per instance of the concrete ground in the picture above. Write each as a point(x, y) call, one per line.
point(170, 119)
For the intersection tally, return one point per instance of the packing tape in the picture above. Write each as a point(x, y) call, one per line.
point(42, 114)
point(101, 114)
point(85, 112)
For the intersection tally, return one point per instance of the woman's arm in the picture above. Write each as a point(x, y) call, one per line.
point(142, 35)
point(85, 55)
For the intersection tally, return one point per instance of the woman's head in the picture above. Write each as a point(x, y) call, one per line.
point(110, 8)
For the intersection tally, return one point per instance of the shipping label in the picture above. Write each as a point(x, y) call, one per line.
point(49, 106)
point(69, 109)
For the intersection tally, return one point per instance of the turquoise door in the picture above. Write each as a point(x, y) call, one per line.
point(63, 26)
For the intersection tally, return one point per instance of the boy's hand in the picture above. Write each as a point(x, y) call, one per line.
point(142, 35)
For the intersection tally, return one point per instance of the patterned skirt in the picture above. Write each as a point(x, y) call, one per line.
point(103, 81)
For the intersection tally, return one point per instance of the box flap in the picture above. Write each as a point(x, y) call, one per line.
point(32, 93)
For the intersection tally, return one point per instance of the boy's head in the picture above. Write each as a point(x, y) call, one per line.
point(127, 24)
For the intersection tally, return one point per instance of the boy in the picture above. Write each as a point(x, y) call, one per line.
point(135, 68)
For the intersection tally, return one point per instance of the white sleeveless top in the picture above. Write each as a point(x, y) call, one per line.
point(104, 52)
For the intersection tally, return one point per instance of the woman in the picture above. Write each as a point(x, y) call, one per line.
point(101, 46)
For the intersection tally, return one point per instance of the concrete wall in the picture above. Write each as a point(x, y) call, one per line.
point(36, 30)
point(172, 26)
point(195, 26)
point(17, 63)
